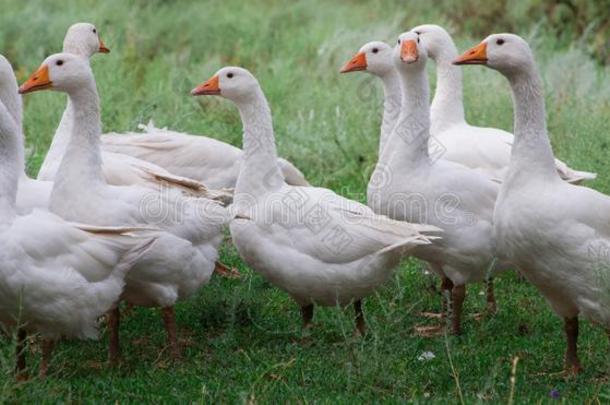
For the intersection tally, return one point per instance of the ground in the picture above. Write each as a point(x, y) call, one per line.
point(242, 339)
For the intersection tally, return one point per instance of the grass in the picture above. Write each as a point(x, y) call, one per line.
point(242, 339)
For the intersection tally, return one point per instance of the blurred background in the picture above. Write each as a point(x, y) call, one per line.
point(327, 123)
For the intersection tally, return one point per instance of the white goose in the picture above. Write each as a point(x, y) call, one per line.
point(31, 194)
point(375, 57)
point(412, 186)
point(558, 234)
point(484, 149)
point(183, 258)
point(317, 246)
point(208, 160)
point(56, 279)
point(83, 39)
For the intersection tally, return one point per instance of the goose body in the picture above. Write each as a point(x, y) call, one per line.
point(208, 160)
point(31, 194)
point(83, 39)
point(485, 149)
point(556, 233)
point(336, 262)
point(317, 246)
point(409, 184)
point(185, 252)
point(56, 277)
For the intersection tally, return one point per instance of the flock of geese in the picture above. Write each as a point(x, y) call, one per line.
point(139, 217)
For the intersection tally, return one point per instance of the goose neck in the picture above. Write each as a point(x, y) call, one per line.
point(409, 139)
point(392, 99)
point(11, 163)
point(82, 162)
point(447, 108)
point(259, 172)
point(60, 141)
point(532, 154)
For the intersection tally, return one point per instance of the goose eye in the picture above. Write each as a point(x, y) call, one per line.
point(375, 50)
point(59, 62)
point(398, 42)
point(418, 33)
point(500, 41)
point(230, 75)
point(94, 31)
point(418, 40)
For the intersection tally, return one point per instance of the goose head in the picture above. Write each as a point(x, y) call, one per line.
point(409, 52)
point(61, 72)
point(83, 39)
point(437, 41)
point(374, 57)
point(233, 83)
point(507, 53)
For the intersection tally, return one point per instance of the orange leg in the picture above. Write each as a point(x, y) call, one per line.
point(169, 318)
point(47, 349)
point(572, 362)
point(114, 349)
point(446, 289)
point(458, 295)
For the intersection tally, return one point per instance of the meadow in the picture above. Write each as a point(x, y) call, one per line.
point(241, 338)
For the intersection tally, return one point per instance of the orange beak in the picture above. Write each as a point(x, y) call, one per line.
point(103, 48)
point(357, 63)
point(209, 88)
point(473, 56)
point(408, 51)
point(39, 80)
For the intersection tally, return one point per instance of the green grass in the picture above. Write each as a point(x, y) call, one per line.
point(242, 338)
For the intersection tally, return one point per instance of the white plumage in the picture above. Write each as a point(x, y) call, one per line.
point(558, 234)
point(317, 246)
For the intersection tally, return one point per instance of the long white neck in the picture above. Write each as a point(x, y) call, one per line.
point(532, 154)
point(409, 139)
point(13, 105)
point(48, 169)
point(11, 98)
point(447, 107)
point(259, 172)
point(60, 141)
point(11, 164)
point(81, 166)
point(392, 99)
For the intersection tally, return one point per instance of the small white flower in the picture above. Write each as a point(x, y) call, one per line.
point(425, 356)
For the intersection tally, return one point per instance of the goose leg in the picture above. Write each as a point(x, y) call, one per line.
point(572, 362)
point(169, 318)
point(307, 315)
point(114, 323)
point(446, 288)
point(360, 323)
point(492, 307)
point(224, 271)
point(47, 349)
point(20, 354)
point(458, 294)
